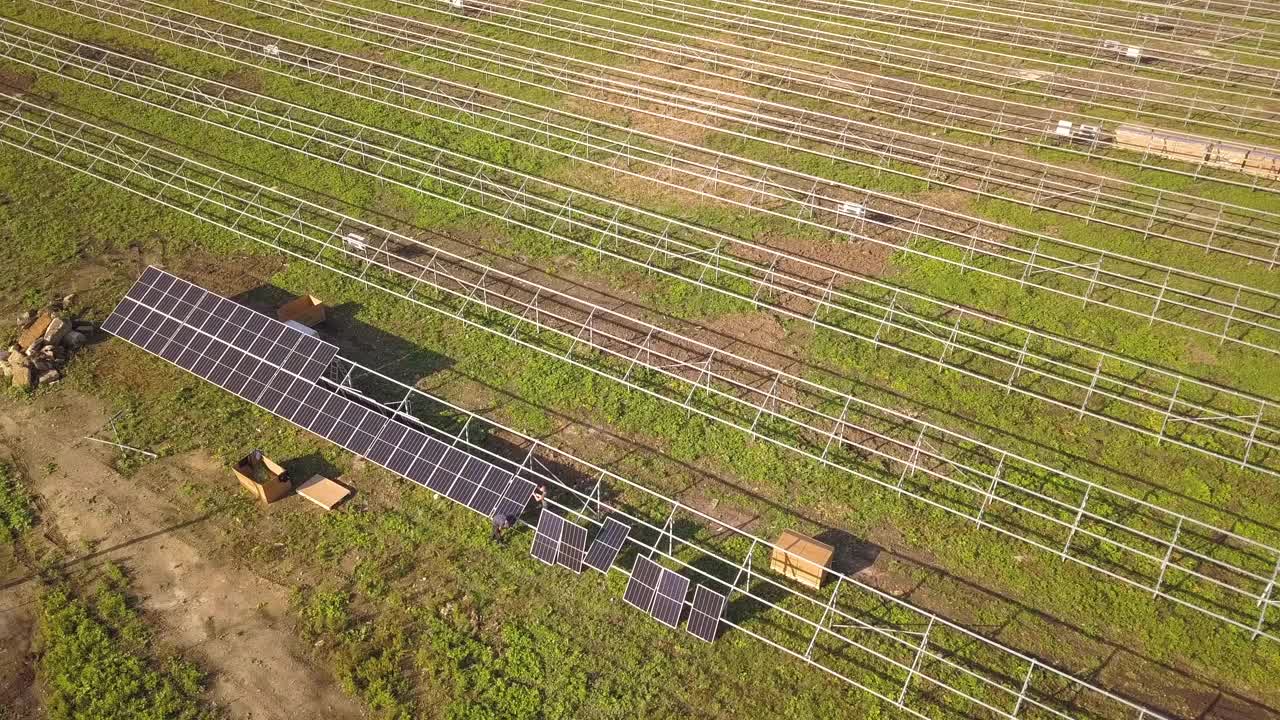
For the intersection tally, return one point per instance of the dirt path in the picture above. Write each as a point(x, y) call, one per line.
point(223, 617)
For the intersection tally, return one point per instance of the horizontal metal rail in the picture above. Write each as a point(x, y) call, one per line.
point(1060, 23)
point(586, 332)
point(1185, 108)
point(217, 199)
point(1042, 255)
point(1189, 71)
point(1038, 263)
point(1206, 222)
point(946, 336)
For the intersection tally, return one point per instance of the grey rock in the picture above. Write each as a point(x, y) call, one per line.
point(25, 318)
point(69, 299)
point(6, 371)
point(74, 340)
point(4, 357)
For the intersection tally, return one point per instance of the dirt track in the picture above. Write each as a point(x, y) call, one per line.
point(232, 623)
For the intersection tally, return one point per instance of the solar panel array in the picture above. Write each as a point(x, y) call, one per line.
point(557, 541)
point(705, 614)
point(605, 548)
point(278, 368)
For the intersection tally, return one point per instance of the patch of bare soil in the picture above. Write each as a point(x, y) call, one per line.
point(232, 623)
point(19, 698)
point(15, 82)
point(861, 257)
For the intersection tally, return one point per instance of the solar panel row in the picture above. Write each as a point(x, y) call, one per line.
point(605, 548)
point(206, 312)
point(237, 365)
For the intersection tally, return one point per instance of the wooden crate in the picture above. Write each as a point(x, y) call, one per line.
point(269, 485)
point(801, 558)
point(1159, 142)
point(308, 310)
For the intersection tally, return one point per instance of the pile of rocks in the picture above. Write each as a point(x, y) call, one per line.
point(46, 340)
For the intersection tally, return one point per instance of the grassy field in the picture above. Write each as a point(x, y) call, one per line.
point(514, 641)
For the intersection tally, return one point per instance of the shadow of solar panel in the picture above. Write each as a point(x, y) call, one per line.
point(642, 587)
point(704, 616)
point(490, 491)
point(605, 548)
point(573, 545)
point(515, 498)
point(546, 538)
point(672, 588)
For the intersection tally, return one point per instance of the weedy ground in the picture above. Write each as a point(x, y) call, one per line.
point(492, 634)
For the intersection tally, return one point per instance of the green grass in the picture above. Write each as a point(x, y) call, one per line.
point(98, 660)
point(484, 644)
point(17, 512)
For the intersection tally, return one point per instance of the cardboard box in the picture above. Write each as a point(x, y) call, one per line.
point(308, 310)
point(801, 558)
point(259, 475)
point(323, 491)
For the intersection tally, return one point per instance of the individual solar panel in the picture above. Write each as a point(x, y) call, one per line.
point(485, 501)
point(546, 539)
point(672, 588)
point(573, 545)
point(642, 587)
point(515, 498)
point(704, 616)
point(605, 548)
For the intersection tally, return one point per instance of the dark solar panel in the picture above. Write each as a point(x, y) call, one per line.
point(672, 588)
point(515, 498)
point(643, 584)
point(704, 616)
point(547, 537)
point(485, 501)
point(605, 548)
point(573, 545)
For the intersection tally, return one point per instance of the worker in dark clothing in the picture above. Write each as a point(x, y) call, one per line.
point(501, 524)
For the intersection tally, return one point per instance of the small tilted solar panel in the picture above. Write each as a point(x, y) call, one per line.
point(573, 546)
point(556, 541)
point(672, 588)
point(278, 368)
point(546, 538)
point(605, 548)
point(704, 616)
point(643, 584)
